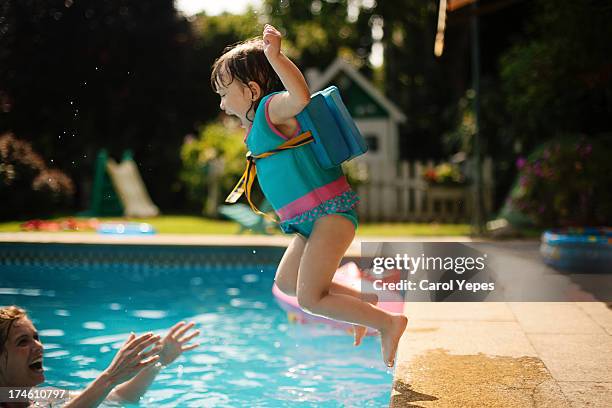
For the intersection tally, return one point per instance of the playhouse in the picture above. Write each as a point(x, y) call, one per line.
point(377, 117)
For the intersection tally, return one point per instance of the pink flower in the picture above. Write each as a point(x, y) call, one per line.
point(520, 162)
point(537, 169)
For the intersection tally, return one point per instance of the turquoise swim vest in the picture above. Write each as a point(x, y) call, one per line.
point(296, 185)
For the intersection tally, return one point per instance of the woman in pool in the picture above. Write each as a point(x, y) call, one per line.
point(265, 90)
point(126, 379)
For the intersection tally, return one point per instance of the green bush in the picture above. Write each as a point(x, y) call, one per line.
point(27, 187)
point(566, 183)
point(217, 143)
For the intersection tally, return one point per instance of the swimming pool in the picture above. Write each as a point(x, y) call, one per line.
point(250, 355)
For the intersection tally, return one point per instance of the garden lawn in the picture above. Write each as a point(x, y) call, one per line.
point(185, 224)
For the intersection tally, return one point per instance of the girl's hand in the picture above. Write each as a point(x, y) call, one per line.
point(132, 358)
point(272, 41)
point(174, 344)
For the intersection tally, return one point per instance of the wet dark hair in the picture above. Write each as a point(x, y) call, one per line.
point(246, 62)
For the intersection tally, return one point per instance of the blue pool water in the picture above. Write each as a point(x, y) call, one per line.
point(250, 355)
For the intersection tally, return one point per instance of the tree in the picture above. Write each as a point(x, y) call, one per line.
point(79, 76)
point(559, 78)
point(317, 31)
point(414, 79)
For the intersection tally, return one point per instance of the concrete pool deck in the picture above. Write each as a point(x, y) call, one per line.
point(495, 354)
point(505, 355)
point(194, 239)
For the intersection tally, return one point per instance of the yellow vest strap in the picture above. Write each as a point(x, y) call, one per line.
point(250, 172)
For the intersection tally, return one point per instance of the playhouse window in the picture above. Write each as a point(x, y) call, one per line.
point(372, 141)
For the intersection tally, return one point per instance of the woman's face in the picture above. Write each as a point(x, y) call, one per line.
point(21, 361)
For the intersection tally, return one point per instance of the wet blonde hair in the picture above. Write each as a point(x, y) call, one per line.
point(246, 62)
point(8, 316)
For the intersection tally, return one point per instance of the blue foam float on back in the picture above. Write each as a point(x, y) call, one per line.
point(336, 137)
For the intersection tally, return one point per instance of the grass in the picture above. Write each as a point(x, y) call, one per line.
point(11, 226)
point(413, 229)
point(186, 224)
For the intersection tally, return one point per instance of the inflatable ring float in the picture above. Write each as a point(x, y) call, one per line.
point(578, 249)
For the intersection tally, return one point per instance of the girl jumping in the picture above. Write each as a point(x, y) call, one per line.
point(265, 90)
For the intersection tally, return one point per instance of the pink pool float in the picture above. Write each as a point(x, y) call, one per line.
point(349, 275)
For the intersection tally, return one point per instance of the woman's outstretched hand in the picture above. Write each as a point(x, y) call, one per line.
point(175, 342)
point(272, 41)
point(132, 357)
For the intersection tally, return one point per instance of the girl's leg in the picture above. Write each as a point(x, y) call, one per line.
point(358, 331)
point(287, 275)
point(330, 238)
point(287, 272)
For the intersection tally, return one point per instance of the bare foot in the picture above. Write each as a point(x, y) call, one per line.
point(360, 331)
point(390, 336)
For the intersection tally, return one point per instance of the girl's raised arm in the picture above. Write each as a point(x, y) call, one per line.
point(284, 106)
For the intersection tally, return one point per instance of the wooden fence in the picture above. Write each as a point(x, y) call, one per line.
point(400, 193)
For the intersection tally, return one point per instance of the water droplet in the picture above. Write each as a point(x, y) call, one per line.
point(254, 251)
